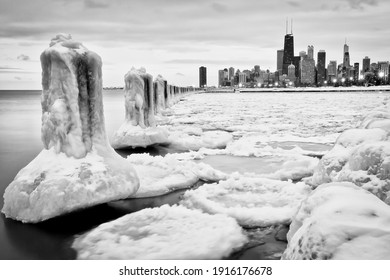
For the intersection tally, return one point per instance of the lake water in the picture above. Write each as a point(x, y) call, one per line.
point(305, 115)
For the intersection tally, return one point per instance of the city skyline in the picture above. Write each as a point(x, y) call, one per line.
point(174, 38)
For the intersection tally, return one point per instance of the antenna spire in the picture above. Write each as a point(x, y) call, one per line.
point(291, 26)
point(287, 25)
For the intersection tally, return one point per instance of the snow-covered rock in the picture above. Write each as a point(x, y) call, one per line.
point(160, 175)
point(139, 128)
point(340, 221)
point(251, 201)
point(162, 233)
point(78, 168)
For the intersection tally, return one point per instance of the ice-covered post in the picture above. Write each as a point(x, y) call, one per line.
point(78, 168)
point(139, 128)
point(159, 91)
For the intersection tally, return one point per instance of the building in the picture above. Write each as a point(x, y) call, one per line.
point(332, 70)
point(321, 73)
point(231, 73)
point(291, 73)
point(241, 78)
point(346, 60)
point(279, 60)
point(310, 52)
point(366, 65)
point(383, 69)
point(356, 71)
point(288, 52)
point(202, 76)
point(307, 71)
point(221, 77)
point(302, 54)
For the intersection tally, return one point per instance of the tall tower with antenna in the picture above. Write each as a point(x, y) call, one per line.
point(288, 50)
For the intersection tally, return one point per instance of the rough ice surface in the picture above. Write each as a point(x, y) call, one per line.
point(78, 168)
point(159, 175)
point(251, 201)
point(160, 94)
point(139, 128)
point(360, 156)
point(340, 221)
point(208, 139)
point(162, 233)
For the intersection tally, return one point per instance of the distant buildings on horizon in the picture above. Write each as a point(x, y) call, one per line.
point(302, 70)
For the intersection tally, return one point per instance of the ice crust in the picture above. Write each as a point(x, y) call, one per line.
point(340, 221)
point(253, 202)
point(78, 168)
point(160, 175)
point(162, 233)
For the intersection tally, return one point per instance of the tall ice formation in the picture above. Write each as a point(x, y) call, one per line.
point(77, 168)
point(139, 128)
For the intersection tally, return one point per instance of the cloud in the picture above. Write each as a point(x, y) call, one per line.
point(359, 4)
point(18, 78)
point(220, 8)
point(96, 4)
point(294, 3)
point(23, 57)
point(180, 74)
point(8, 68)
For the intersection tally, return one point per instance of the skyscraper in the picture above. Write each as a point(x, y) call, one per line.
point(221, 77)
point(356, 68)
point(332, 70)
point(231, 73)
point(202, 76)
point(291, 73)
point(346, 61)
point(321, 73)
point(366, 64)
point(307, 71)
point(310, 52)
point(279, 60)
point(288, 52)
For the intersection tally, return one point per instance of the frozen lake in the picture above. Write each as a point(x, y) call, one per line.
point(267, 129)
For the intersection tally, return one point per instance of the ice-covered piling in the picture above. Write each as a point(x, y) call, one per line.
point(159, 94)
point(77, 168)
point(139, 128)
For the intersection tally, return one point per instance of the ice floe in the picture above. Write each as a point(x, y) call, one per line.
point(159, 175)
point(340, 221)
point(252, 202)
point(162, 233)
point(78, 168)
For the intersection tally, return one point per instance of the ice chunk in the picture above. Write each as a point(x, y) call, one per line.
point(162, 233)
point(209, 139)
point(340, 221)
point(78, 168)
point(332, 162)
point(159, 175)
point(139, 128)
point(251, 201)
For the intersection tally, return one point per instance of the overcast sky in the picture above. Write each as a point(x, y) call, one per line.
point(175, 37)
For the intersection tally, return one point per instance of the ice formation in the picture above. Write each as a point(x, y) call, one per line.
point(251, 201)
point(340, 221)
point(139, 128)
point(159, 175)
point(160, 93)
point(77, 168)
point(162, 233)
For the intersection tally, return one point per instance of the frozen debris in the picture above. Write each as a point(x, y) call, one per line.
point(78, 168)
point(253, 202)
point(340, 221)
point(160, 175)
point(162, 233)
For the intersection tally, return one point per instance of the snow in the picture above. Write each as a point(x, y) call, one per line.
point(129, 136)
point(162, 233)
point(78, 168)
point(340, 221)
point(160, 175)
point(253, 202)
point(208, 139)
